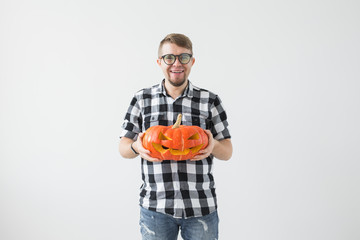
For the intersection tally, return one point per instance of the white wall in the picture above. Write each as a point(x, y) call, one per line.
point(287, 72)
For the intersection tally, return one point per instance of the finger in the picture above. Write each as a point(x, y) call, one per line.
point(204, 152)
point(195, 159)
point(144, 150)
point(208, 132)
point(141, 148)
point(154, 160)
point(151, 159)
point(200, 157)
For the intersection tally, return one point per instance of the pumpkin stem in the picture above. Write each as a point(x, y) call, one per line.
point(178, 122)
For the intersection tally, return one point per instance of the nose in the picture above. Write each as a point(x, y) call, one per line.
point(177, 62)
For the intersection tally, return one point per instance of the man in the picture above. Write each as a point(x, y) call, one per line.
point(177, 194)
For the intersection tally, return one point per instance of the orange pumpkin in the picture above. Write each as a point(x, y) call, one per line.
point(175, 142)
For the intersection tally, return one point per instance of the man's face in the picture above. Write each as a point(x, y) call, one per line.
point(178, 73)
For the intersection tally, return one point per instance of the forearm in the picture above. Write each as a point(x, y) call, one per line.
point(222, 149)
point(125, 148)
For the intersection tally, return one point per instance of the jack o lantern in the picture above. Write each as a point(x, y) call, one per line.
point(175, 142)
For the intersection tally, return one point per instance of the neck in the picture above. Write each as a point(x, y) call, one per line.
point(174, 91)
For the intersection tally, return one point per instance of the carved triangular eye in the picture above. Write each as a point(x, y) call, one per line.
point(194, 137)
point(163, 137)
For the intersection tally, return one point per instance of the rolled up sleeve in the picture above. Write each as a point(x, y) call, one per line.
point(219, 121)
point(131, 126)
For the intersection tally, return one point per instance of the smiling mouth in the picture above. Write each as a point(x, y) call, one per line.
point(177, 71)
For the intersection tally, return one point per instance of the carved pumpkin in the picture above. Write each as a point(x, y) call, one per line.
point(176, 142)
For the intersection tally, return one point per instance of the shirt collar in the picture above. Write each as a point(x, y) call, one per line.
point(188, 92)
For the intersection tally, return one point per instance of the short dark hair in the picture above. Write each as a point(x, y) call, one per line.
point(177, 38)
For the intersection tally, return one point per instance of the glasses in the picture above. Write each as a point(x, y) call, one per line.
point(170, 59)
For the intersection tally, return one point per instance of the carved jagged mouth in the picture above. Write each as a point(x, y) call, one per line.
point(162, 149)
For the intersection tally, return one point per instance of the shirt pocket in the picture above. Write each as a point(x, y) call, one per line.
point(151, 120)
point(199, 121)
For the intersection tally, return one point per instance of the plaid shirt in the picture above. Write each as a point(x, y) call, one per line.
point(178, 188)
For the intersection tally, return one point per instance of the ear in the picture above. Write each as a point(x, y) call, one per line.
point(158, 61)
point(193, 61)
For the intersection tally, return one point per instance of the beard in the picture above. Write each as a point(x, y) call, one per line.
point(177, 83)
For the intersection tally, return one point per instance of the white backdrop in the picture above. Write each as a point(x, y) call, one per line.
point(287, 72)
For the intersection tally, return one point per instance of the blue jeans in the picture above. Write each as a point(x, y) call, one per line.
point(159, 226)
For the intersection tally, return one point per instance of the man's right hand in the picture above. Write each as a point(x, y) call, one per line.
point(144, 153)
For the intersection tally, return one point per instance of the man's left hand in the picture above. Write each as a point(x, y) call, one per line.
point(204, 153)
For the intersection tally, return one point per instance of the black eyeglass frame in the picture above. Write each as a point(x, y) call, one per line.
point(178, 57)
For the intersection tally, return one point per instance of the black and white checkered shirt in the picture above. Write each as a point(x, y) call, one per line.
point(178, 188)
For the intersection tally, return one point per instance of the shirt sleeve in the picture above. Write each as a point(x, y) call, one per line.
point(131, 126)
point(219, 123)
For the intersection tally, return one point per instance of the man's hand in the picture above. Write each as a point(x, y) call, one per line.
point(144, 153)
point(208, 150)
